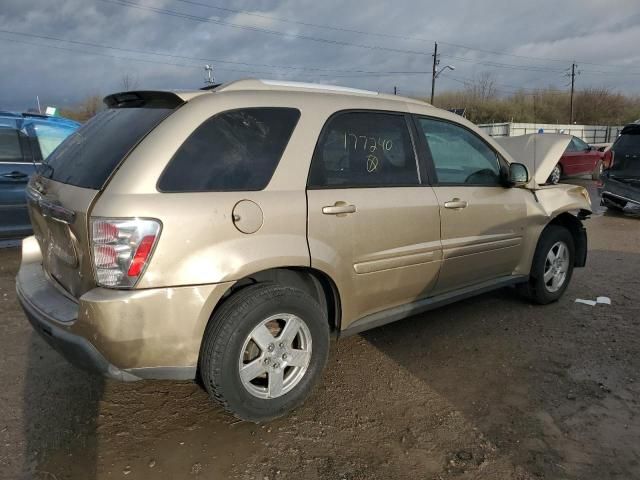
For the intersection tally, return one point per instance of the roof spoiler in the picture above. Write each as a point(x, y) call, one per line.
point(143, 98)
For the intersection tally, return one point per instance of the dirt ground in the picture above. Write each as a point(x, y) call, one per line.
point(488, 388)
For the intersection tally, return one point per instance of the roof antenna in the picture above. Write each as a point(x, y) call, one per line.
point(208, 75)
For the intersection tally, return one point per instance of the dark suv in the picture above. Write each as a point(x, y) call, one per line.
point(621, 179)
point(25, 141)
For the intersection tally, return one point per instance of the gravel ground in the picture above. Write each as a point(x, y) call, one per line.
point(488, 388)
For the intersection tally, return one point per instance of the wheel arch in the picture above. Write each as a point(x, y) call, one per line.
point(578, 232)
point(315, 282)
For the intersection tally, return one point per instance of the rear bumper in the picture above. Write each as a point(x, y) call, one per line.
point(77, 350)
point(620, 191)
point(121, 334)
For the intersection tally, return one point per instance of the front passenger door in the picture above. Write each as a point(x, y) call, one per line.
point(482, 221)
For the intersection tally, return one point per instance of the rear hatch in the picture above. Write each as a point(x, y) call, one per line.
point(626, 155)
point(65, 188)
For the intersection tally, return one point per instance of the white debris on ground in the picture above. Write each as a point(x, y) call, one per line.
point(593, 303)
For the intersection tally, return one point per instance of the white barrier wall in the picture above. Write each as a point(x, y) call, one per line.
point(588, 133)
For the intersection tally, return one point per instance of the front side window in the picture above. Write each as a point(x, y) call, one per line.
point(236, 150)
point(459, 156)
point(364, 149)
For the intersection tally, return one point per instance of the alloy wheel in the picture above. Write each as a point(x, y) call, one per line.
point(556, 266)
point(275, 356)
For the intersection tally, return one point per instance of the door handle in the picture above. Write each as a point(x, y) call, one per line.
point(15, 175)
point(338, 209)
point(455, 203)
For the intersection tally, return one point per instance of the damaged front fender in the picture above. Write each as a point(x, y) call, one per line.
point(556, 199)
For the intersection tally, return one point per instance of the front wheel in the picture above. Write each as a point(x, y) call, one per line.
point(552, 266)
point(264, 350)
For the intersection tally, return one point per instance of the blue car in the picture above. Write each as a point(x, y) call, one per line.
point(25, 141)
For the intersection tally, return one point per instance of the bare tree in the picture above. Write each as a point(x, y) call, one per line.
point(129, 81)
point(483, 87)
point(86, 109)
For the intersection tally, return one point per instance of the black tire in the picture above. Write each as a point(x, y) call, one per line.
point(536, 289)
point(225, 337)
point(597, 171)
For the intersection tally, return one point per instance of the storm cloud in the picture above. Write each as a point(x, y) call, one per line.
point(370, 45)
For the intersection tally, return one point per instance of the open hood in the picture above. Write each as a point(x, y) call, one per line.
point(540, 152)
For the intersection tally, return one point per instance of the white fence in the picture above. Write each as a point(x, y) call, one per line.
point(588, 133)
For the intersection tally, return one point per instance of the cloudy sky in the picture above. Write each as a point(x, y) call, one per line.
point(65, 50)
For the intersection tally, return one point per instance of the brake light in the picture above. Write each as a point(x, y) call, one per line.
point(607, 158)
point(122, 248)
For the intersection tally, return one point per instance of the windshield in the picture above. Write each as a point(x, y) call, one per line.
point(626, 160)
point(89, 156)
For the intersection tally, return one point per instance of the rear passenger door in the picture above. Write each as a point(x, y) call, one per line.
point(482, 221)
point(373, 225)
point(15, 168)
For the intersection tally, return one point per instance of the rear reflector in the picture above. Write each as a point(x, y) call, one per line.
point(141, 255)
point(122, 248)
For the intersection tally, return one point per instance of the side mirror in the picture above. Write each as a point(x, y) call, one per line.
point(518, 175)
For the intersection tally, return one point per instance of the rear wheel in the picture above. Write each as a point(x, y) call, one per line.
point(552, 266)
point(597, 171)
point(264, 350)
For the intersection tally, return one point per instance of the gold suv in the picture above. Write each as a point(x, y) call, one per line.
point(227, 234)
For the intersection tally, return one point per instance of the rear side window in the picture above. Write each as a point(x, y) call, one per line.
point(364, 149)
point(237, 150)
point(89, 156)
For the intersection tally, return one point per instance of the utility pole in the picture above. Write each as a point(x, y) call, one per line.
point(573, 82)
point(436, 61)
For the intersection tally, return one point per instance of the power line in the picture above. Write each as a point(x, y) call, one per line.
point(299, 22)
point(518, 90)
point(211, 60)
point(173, 13)
point(384, 35)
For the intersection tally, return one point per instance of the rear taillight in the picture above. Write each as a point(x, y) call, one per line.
point(607, 158)
point(122, 248)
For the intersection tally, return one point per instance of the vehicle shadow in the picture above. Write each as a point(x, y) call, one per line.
point(61, 408)
point(541, 383)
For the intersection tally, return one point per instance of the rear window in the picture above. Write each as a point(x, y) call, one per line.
point(626, 160)
point(237, 150)
point(89, 156)
point(628, 142)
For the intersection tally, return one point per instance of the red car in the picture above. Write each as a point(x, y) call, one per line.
point(578, 159)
